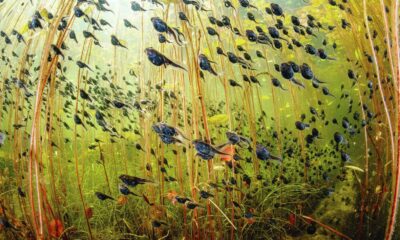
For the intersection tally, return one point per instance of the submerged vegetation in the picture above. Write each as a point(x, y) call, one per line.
point(193, 119)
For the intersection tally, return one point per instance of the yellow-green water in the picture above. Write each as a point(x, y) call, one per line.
point(56, 172)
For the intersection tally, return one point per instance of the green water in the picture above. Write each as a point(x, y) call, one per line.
point(331, 137)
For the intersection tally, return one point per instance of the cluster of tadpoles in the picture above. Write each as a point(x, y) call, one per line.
point(206, 151)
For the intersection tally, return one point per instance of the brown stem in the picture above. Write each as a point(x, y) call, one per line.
point(327, 227)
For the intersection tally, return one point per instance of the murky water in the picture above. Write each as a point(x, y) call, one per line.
point(199, 119)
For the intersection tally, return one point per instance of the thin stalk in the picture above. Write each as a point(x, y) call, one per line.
point(396, 184)
point(78, 177)
point(34, 152)
point(327, 227)
point(396, 164)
